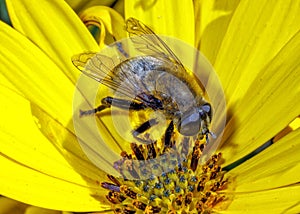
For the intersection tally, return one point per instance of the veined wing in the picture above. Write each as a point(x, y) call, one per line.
point(147, 42)
point(103, 69)
point(111, 72)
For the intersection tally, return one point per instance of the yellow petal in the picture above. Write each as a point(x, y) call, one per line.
point(51, 174)
point(35, 75)
point(211, 22)
point(104, 18)
point(39, 189)
point(257, 32)
point(54, 28)
point(280, 200)
point(56, 105)
point(174, 18)
point(269, 105)
point(79, 5)
point(277, 166)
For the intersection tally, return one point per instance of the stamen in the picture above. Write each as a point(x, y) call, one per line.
point(186, 188)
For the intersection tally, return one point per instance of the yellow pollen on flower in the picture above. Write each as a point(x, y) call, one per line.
point(186, 188)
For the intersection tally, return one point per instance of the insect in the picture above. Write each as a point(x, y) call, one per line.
point(155, 80)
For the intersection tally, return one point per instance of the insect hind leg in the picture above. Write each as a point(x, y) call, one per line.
point(95, 110)
point(107, 102)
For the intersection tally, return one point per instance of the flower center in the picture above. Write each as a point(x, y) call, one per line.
point(186, 188)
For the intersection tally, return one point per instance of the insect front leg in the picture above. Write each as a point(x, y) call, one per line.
point(168, 136)
point(107, 102)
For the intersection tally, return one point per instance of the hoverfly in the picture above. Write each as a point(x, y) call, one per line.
point(158, 81)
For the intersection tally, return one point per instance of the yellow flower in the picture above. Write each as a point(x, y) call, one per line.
point(254, 47)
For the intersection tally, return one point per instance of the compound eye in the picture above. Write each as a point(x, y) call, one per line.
point(189, 124)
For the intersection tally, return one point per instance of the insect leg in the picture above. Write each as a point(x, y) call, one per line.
point(144, 127)
point(168, 135)
point(123, 104)
point(92, 111)
point(107, 102)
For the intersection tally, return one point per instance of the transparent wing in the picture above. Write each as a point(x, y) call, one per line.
point(104, 70)
point(96, 66)
point(146, 41)
point(80, 60)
